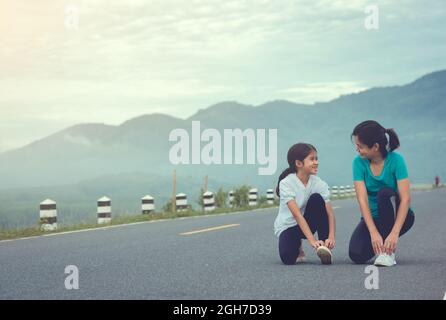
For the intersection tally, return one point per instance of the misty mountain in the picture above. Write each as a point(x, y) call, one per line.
point(90, 158)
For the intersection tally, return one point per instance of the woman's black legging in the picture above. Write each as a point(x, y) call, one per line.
point(290, 239)
point(360, 248)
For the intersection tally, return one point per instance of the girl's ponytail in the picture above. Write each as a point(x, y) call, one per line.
point(298, 151)
point(394, 142)
point(282, 176)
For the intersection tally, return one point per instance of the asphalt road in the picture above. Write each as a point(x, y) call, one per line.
point(157, 261)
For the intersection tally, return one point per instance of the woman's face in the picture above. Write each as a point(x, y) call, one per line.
point(310, 164)
point(364, 151)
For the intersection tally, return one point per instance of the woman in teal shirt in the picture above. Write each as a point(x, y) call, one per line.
point(379, 173)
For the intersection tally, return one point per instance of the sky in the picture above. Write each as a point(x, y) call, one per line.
point(68, 62)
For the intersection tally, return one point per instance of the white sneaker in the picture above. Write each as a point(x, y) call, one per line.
point(324, 254)
point(385, 260)
point(301, 257)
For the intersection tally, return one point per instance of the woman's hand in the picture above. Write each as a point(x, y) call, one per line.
point(391, 242)
point(317, 243)
point(377, 242)
point(330, 243)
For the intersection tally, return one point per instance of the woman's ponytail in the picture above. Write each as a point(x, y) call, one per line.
point(394, 141)
point(370, 132)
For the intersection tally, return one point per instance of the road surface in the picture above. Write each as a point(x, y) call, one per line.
point(231, 256)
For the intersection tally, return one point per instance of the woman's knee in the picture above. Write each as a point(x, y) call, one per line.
point(386, 193)
point(357, 257)
point(357, 248)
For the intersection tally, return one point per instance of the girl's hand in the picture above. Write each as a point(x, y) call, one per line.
point(377, 242)
point(317, 243)
point(390, 243)
point(330, 243)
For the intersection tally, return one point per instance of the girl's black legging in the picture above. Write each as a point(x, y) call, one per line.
point(290, 239)
point(360, 248)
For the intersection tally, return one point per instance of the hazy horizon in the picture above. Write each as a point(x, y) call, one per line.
point(128, 58)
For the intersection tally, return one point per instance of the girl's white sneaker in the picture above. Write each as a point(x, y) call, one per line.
point(301, 257)
point(324, 254)
point(385, 260)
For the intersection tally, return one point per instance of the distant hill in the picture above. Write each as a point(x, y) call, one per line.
point(86, 156)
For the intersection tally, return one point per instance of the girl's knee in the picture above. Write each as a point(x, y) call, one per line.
point(316, 197)
point(288, 259)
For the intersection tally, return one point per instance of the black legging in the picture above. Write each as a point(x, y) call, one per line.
point(361, 249)
point(290, 239)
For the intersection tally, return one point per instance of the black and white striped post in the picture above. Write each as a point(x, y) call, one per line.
point(231, 198)
point(270, 196)
point(181, 202)
point(348, 191)
point(334, 191)
point(341, 191)
point(252, 197)
point(147, 204)
point(352, 191)
point(48, 215)
point(208, 201)
point(104, 210)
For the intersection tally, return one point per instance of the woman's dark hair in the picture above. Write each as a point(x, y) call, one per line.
point(299, 151)
point(370, 132)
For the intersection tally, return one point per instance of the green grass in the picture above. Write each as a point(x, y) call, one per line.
point(427, 187)
point(8, 234)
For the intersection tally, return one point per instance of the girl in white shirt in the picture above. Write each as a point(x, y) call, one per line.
point(304, 208)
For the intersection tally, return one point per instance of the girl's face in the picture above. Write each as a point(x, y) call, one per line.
point(310, 163)
point(364, 151)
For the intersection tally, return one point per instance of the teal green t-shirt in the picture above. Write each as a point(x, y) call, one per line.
point(394, 169)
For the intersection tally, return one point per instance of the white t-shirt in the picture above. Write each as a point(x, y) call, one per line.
point(291, 188)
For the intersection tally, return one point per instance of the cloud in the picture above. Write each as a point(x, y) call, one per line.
point(321, 91)
point(175, 56)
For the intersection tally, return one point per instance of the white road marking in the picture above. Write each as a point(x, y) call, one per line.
point(210, 229)
point(132, 224)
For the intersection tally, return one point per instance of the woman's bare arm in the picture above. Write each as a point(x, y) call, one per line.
point(361, 195)
point(404, 193)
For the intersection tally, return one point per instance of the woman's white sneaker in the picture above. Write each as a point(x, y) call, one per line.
point(385, 260)
point(324, 254)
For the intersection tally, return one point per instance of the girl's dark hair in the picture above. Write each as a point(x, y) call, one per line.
point(299, 151)
point(370, 132)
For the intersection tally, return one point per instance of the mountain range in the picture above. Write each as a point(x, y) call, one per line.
point(81, 163)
